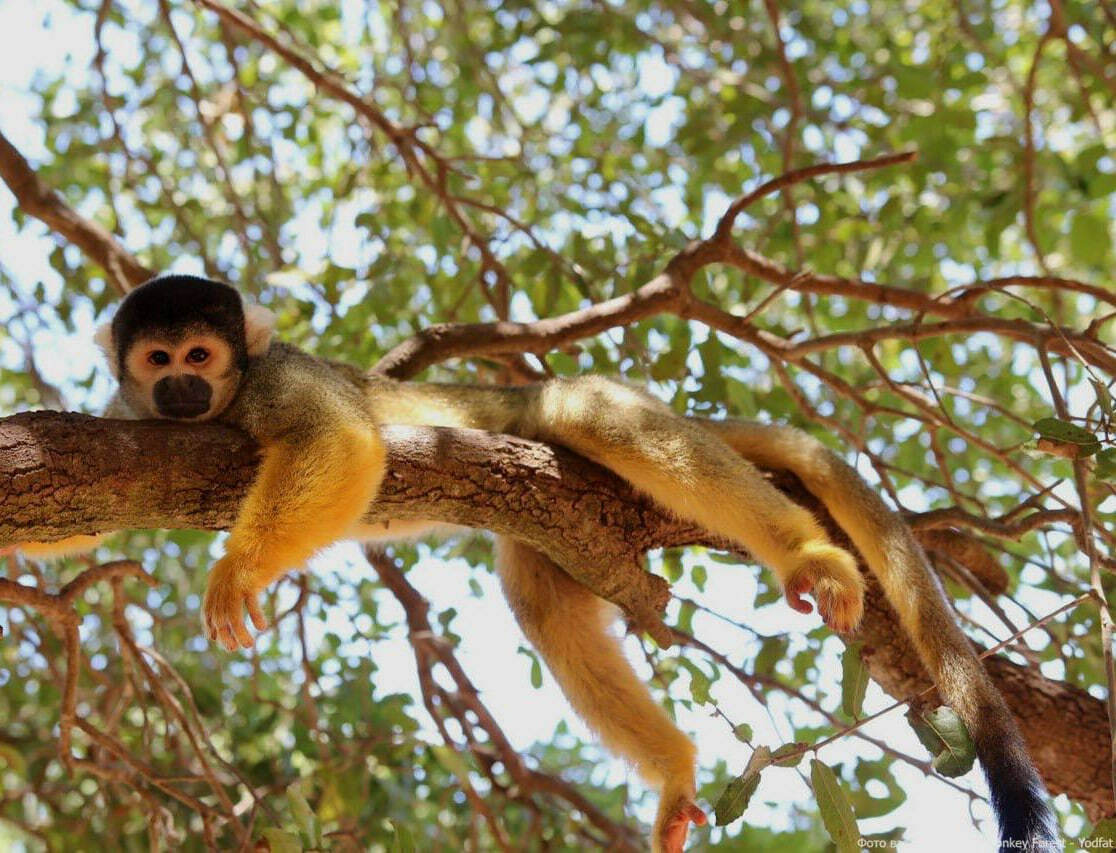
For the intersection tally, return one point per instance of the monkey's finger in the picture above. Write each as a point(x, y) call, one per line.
point(225, 638)
point(243, 637)
point(255, 613)
point(209, 626)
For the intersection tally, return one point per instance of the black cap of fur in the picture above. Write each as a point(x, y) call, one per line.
point(172, 305)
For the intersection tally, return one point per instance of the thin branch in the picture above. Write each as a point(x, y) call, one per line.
point(44, 203)
point(797, 176)
point(1029, 190)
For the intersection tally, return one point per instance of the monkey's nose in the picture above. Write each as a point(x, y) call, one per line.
point(182, 397)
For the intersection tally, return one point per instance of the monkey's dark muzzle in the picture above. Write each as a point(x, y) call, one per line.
point(186, 396)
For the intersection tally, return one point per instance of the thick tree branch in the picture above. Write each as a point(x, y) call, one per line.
point(64, 474)
point(61, 473)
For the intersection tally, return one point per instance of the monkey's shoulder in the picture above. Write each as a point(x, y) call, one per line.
point(286, 389)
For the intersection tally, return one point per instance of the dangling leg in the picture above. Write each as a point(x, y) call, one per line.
point(569, 627)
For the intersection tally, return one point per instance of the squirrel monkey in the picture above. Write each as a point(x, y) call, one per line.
point(191, 349)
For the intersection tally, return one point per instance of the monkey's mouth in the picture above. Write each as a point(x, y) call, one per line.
point(184, 413)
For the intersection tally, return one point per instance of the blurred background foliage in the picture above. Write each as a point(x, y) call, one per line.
point(575, 147)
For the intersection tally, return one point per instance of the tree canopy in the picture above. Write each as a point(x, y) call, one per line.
point(890, 224)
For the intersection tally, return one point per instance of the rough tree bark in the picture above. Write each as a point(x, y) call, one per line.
point(64, 474)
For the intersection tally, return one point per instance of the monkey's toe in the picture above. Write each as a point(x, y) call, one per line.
point(840, 604)
point(799, 586)
point(672, 829)
point(829, 574)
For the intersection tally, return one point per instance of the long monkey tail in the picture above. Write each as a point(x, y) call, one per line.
point(898, 562)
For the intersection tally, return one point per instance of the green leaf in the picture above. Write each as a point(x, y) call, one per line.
point(401, 839)
point(945, 738)
point(864, 803)
point(854, 680)
point(1106, 464)
point(1104, 397)
point(1064, 432)
point(699, 575)
point(536, 667)
point(672, 565)
point(789, 754)
point(734, 799)
point(1103, 831)
point(451, 759)
point(743, 733)
point(1090, 238)
point(686, 612)
point(1060, 430)
point(836, 812)
point(700, 682)
point(304, 816)
point(773, 650)
point(15, 762)
point(281, 841)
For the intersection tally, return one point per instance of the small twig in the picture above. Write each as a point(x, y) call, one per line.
point(797, 176)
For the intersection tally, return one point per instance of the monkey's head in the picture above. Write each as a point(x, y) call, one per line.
point(179, 345)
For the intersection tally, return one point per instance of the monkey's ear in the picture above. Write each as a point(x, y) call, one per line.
point(103, 338)
point(259, 324)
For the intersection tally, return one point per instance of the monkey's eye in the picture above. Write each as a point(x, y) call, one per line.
point(159, 358)
point(197, 355)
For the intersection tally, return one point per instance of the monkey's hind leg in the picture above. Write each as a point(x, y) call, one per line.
point(308, 494)
point(699, 477)
point(569, 626)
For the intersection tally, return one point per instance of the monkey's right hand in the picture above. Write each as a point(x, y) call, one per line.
point(233, 588)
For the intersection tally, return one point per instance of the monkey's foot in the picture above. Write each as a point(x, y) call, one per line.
point(228, 594)
point(673, 825)
point(829, 574)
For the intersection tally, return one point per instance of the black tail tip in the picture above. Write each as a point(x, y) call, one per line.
point(1021, 804)
point(1026, 823)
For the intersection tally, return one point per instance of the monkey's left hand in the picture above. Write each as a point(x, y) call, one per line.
point(233, 588)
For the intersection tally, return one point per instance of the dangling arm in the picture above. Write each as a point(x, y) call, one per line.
point(322, 464)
